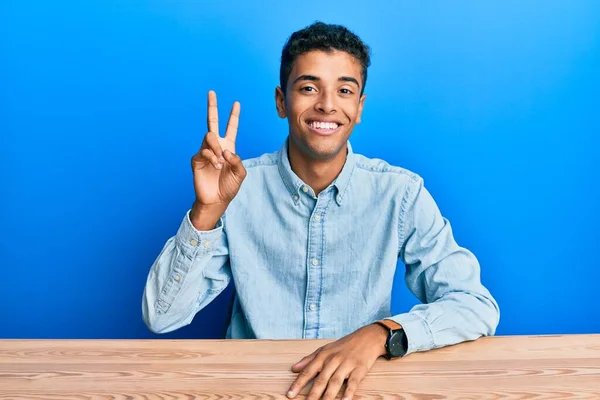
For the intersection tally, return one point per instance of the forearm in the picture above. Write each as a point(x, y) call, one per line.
point(190, 272)
point(456, 317)
point(445, 277)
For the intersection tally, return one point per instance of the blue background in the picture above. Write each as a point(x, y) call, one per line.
point(102, 104)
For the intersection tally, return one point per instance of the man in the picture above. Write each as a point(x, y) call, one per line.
point(311, 234)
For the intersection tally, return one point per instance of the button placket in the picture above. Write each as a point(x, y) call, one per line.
point(314, 265)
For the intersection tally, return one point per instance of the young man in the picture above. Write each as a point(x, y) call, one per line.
point(311, 234)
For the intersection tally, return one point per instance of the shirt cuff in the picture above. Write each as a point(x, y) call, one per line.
point(192, 241)
point(417, 332)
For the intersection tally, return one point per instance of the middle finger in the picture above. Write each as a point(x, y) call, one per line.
point(322, 380)
point(337, 381)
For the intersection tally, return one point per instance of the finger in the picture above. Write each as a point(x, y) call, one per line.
point(210, 156)
point(213, 114)
point(299, 366)
point(212, 142)
point(309, 372)
point(354, 380)
point(322, 381)
point(237, 166)
point(337, 381)
point(234, 121)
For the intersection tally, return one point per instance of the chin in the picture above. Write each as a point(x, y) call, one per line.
point(323, 151)
point(319, 147)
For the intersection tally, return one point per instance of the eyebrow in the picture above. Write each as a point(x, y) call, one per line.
point(316, 79)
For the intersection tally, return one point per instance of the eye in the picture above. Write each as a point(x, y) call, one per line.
point(307, 89)
point(345, 91)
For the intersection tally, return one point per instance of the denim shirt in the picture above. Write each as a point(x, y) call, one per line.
point(307, 266)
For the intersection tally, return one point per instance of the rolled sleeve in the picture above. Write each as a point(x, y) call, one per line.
point(417, 332)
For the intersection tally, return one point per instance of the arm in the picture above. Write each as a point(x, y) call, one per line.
point(191, 270)
point(193, 267)
point(444, 276)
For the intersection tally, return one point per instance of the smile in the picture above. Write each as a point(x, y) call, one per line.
point(323, 127)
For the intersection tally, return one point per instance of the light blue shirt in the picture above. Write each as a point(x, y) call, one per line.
point(308, 266)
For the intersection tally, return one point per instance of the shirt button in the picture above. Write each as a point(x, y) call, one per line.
point(339, 198)
point(315, 262)
point(207, 244)
point(194, 242)
point(317, 218)
point(313, 307)
point(177, 277)
point(304, 189)
point(296, 197)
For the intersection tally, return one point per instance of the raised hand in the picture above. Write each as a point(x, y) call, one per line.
point(218, 171)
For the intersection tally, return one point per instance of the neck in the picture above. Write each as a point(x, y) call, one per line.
point(318, 174)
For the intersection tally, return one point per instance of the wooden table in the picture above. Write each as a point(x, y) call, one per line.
point(517, 367)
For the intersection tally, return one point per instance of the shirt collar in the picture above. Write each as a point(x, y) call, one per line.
point(294, 184)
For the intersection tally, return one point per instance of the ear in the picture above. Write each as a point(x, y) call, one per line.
point(361, 104)
point(280, 102)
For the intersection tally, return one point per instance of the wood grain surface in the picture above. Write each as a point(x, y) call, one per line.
point(508, 367)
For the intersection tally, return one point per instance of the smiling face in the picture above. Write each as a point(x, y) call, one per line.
point(322, 102)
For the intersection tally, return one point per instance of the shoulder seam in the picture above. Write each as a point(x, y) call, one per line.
point(393, 169)
point(251, 163)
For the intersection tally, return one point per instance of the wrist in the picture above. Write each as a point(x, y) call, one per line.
point(205, 218)
point(380, 337)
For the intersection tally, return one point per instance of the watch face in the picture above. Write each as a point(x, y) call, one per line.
point(398, 344)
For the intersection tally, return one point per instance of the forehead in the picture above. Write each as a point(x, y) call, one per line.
point(327, 65)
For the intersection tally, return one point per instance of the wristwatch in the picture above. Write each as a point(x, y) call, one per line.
point(397, 342)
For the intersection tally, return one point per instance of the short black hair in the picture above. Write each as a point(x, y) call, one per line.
point(325, 37)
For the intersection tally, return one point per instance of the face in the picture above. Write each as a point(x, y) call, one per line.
point(322, 102)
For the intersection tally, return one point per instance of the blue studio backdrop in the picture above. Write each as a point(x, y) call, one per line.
point(103, 103)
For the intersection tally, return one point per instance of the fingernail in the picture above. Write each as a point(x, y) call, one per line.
point(222, 159)
point(290, 394)
point(219, 166)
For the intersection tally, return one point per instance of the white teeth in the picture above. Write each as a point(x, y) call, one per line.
point(324, 125)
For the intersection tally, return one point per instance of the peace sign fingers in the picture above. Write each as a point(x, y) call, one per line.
point(213, 114)
point(234, 121)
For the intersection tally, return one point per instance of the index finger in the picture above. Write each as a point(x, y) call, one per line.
point(308, 372)
point(212, 118)
point(234, 121)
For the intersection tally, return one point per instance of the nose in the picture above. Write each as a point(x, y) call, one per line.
point(326, 103)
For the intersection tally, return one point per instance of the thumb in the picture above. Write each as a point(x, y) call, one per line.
point(237, 167)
